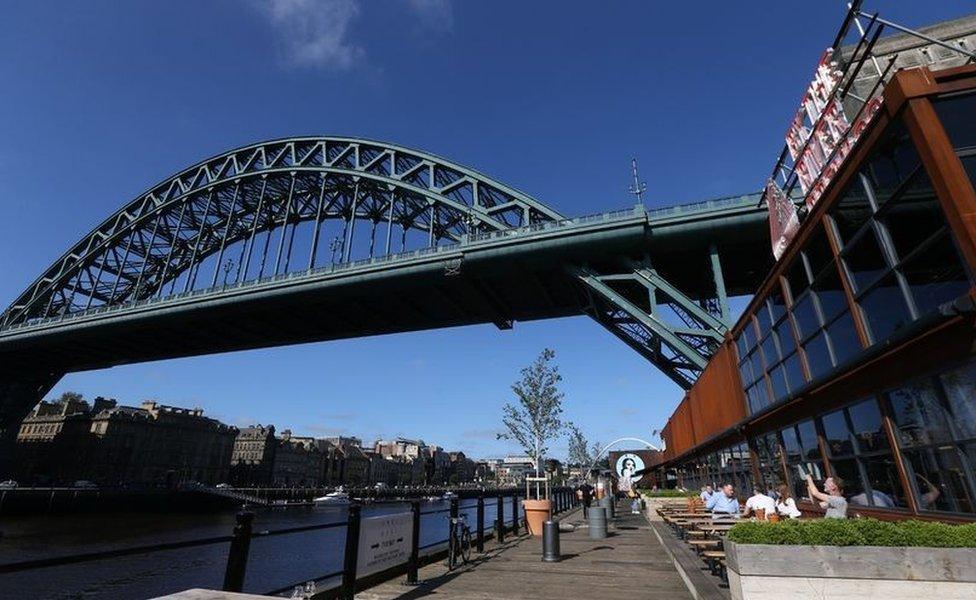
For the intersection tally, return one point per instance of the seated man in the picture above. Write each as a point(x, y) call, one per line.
point(759, 501)
point(723, 503)
point(706, 493)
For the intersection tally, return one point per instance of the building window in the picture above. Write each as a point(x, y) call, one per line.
point(770, 467)
point(857, 446)
point(936, 421)
point(897, 251)
point(802, 448)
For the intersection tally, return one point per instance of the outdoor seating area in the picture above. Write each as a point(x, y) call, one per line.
point(704, 532)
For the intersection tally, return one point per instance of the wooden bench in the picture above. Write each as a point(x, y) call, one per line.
point(701, 545)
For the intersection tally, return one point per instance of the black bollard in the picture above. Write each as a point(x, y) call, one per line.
point(481, 523)
point(550, 541)
point(237, 555)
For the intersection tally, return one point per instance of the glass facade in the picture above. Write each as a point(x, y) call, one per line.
point(896, 259)
point(874, 269)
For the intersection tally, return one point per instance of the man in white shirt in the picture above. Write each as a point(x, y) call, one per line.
point(758, 501)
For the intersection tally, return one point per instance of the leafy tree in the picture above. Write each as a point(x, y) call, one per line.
point(535, 419)
point(579, 450)
point(71, 397)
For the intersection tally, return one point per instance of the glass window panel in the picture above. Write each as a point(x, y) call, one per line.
point(806, 317)
point(882, 474)
point(851, 212)
point(830, 292)
point(936, 275)
point(818, 357)
point(784, 335)
point(808, 440)
point(894, 160)
point(940, 478)
point(843, 338)
point(763, 318)
point(919, 415)
point(915, 216)
point(836, 435)
point(846, 469)
point(777, 303)
point(796, 278)
point(794, 372)
point(868, 427)
point(969, 163)
point(885, 309)
point(769, 351)
point(792, 444)
point(745, 369)
point(778, 379)
point(957, 113)
point(818, 252)
point(960, 389)
point(742, 345)
point(865, 261)
point(757, 366)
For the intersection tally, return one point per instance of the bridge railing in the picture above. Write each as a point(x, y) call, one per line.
point(637, 211)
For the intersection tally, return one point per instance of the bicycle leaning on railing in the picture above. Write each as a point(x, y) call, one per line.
point(458, 542)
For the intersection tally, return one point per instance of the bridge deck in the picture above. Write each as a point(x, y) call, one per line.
point(630, 563)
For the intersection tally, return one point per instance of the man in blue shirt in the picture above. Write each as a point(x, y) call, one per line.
point(706, 493)
point(723, 503)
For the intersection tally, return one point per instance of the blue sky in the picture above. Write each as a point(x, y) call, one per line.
point(100, 100)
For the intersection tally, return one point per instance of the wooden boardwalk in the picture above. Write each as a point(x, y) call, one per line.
point(630, 563)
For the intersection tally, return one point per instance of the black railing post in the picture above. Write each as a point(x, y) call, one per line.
point(499, 519)
point(351, 555)
point(481, 523)
point(237, 555)
point(515, 519)
point(455, 506)
point(415, 543)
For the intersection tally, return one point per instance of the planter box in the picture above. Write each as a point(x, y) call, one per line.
point(849, 572)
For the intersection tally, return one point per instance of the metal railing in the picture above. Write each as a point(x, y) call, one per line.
point(342, 583)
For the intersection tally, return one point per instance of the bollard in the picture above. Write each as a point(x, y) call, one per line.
point(515, 515)
point(607, 503)
point(481, 523)
point(499, 520)
point(414, 567)
point(550, 541)
point(348, 590)
point(237, 555)
point(597, 522)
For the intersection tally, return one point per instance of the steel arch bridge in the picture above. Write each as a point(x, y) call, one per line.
point(316, 238)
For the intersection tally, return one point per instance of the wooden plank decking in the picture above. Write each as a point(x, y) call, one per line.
point(630, 563)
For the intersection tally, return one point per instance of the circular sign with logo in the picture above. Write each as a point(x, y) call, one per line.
point(628, 464)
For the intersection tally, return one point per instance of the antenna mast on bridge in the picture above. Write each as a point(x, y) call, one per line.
point(638, 187)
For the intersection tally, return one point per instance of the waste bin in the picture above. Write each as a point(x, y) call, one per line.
point(597, 522)
point(550, 541)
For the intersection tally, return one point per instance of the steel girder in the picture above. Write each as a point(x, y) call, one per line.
point(665, 326)
point(267, 188)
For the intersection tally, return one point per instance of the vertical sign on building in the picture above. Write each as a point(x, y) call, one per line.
point(818, 140)
point(783, 220)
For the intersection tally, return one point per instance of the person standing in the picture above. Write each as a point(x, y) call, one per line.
point(832, 498)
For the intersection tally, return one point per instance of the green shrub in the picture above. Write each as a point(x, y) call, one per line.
point(668, 494)
point(855, 532)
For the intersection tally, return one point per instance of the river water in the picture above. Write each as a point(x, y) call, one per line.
point(274, 562)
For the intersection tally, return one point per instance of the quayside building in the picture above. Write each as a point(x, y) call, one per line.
point(857, 355)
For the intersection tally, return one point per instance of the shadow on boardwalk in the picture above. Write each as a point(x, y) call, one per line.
point(629, 563)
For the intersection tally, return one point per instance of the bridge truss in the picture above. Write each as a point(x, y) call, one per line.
point(294, 205)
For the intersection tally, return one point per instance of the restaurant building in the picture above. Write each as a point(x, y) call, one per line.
point(857, 356)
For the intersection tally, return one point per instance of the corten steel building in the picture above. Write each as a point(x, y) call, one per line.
point(857, 356)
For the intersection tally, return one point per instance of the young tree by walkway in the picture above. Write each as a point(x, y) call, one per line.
point(579, 448)
point(535, 419)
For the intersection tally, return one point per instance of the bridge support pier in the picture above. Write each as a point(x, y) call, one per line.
point(18, 395)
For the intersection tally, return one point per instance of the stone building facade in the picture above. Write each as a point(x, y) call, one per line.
point(253, 458)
